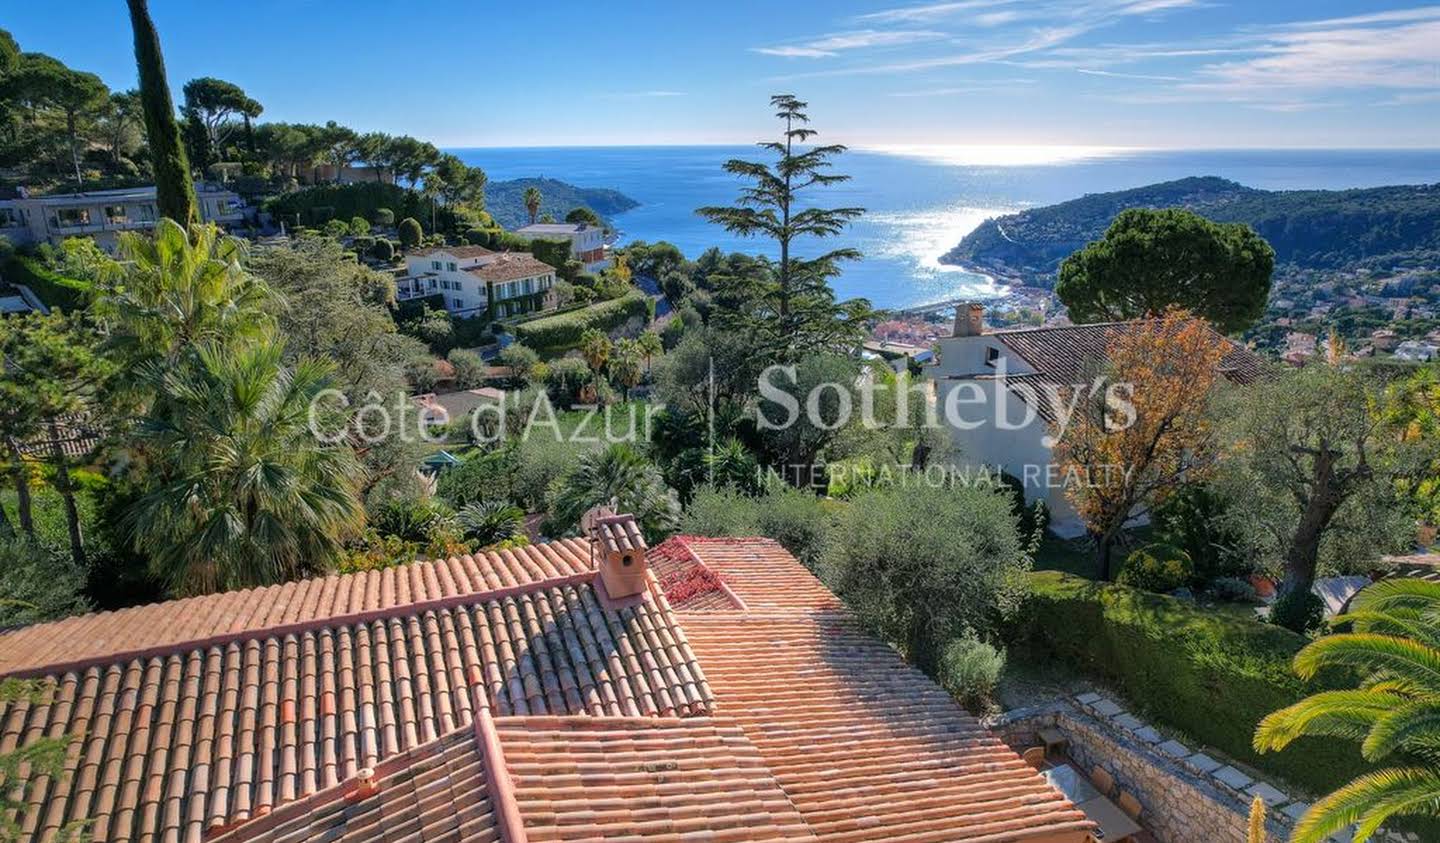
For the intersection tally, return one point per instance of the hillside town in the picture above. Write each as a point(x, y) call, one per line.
point(347, 496)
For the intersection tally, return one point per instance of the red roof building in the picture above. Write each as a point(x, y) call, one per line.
point(508, 697)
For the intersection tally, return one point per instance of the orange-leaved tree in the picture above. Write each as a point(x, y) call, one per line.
point(1140, 430)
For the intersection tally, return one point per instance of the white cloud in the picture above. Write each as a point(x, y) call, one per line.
point(931, 11)
point(1143, 76)
point(832, 45)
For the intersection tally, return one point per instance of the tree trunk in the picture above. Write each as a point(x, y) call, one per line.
point(1104, 554)
point(22, 489)
point(74, 147)
point(7, 530)
point(1325, 499)
point(67, 492)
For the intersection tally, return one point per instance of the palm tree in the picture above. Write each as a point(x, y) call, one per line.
point(490, 522)
point(1394, 714)
point(595, 347)
point(625, 365)
point(650, 345)
point(623, 476)
point(247, 492)
point(532, 202)
point(182, 289)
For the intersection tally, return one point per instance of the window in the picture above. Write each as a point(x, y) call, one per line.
point(115, 213)
point(458, 303)
point(432, 283)
point(450, 266)
point(73, 216)
point(9, 217)
point(435, 265)
point(991, 355)
point(147, 213)
point(526, 287)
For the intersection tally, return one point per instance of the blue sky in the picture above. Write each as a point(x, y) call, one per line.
point(1166, 73)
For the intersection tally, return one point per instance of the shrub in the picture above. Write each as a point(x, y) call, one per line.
point(56, 290)
point(383, 217)
point(411, 519)
point(486, 523)
point(410, 233)
point(1194, 519)
point(970, 669)
point(923, 569)
point(336, 229)
point(1161, 568)
point(482, 477)
point(1208, 675)
point(558, 333)
point(359, 226)
point(519, 359)
point(796, 519)
point(39, 581)
point(1303, 611)
point(383, 250)
point(566, 379)
point(469, 368)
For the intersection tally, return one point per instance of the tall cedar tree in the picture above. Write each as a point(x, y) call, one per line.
point(797, 304)
point(1123, 467)
point(174, 190)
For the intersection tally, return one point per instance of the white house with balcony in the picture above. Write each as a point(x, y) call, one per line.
point(587, 242)
point(474, 280)
point(102, 214)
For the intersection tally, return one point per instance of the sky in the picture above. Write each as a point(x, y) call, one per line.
point(968, 73)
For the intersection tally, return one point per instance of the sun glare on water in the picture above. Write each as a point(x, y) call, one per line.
point(1000, 155)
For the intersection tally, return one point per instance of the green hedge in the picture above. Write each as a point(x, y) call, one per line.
point(558, 333)
point(315, 206)
point(1210, 676)
point(57, 291)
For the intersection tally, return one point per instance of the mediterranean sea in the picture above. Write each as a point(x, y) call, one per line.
point(920, 201)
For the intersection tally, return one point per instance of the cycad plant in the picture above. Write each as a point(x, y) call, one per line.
point(249, 489)
point(487, 523)
point(620, 476)
point(1394, 714)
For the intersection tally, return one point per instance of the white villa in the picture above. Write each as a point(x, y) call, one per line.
point(473, 279)
point(1008, 389)
point(587, 242)
point(101, 214)
point(1417, 350)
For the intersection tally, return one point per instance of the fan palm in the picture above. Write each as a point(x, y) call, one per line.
point(1394, 714)
point(622, 475)
point(532, 203)
point(490, 522)
point(182, 288)
point(248, 491)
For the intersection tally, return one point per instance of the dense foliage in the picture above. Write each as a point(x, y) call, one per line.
point(550, 334)
point(1179, 665)
point(1149, 261)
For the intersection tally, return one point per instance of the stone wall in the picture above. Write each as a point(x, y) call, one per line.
point(1187, 795)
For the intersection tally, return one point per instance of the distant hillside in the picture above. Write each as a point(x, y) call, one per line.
point(505, 200)
point(1311, 229)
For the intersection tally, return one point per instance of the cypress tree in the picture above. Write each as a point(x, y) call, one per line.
point(174, 191)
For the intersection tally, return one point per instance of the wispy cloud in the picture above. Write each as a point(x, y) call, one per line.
point(833, 45)
point(1149, 77)
point(931, 11)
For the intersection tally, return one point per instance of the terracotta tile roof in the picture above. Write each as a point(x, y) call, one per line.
point(510, 267)
point(166, 625)
point(504, 699)
point(760, 574)
point(579, 778)
point(1063, 355)
point(865, 746)
point(437, 794)
point(462, 252)
point(205, 738)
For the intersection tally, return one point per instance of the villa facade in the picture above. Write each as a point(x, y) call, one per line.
point(587, 242)
point(101, 214)
point(474, 280)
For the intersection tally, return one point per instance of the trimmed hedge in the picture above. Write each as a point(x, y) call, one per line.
point(315, 206)
point(56, 290)
point(554, 334)
point(1210, 676)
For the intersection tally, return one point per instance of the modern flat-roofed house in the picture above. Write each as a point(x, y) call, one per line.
point(1013, 381)
point(101, 214)
point(701, 690)
point(475, 280)
point(587, 242)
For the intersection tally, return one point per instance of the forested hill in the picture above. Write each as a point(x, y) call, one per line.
point(1311, 229)
point(505, 200)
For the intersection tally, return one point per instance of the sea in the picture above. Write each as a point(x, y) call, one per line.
point(921, 200)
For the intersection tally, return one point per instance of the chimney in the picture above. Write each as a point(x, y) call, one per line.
point(618, 549)
point(970, 319)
